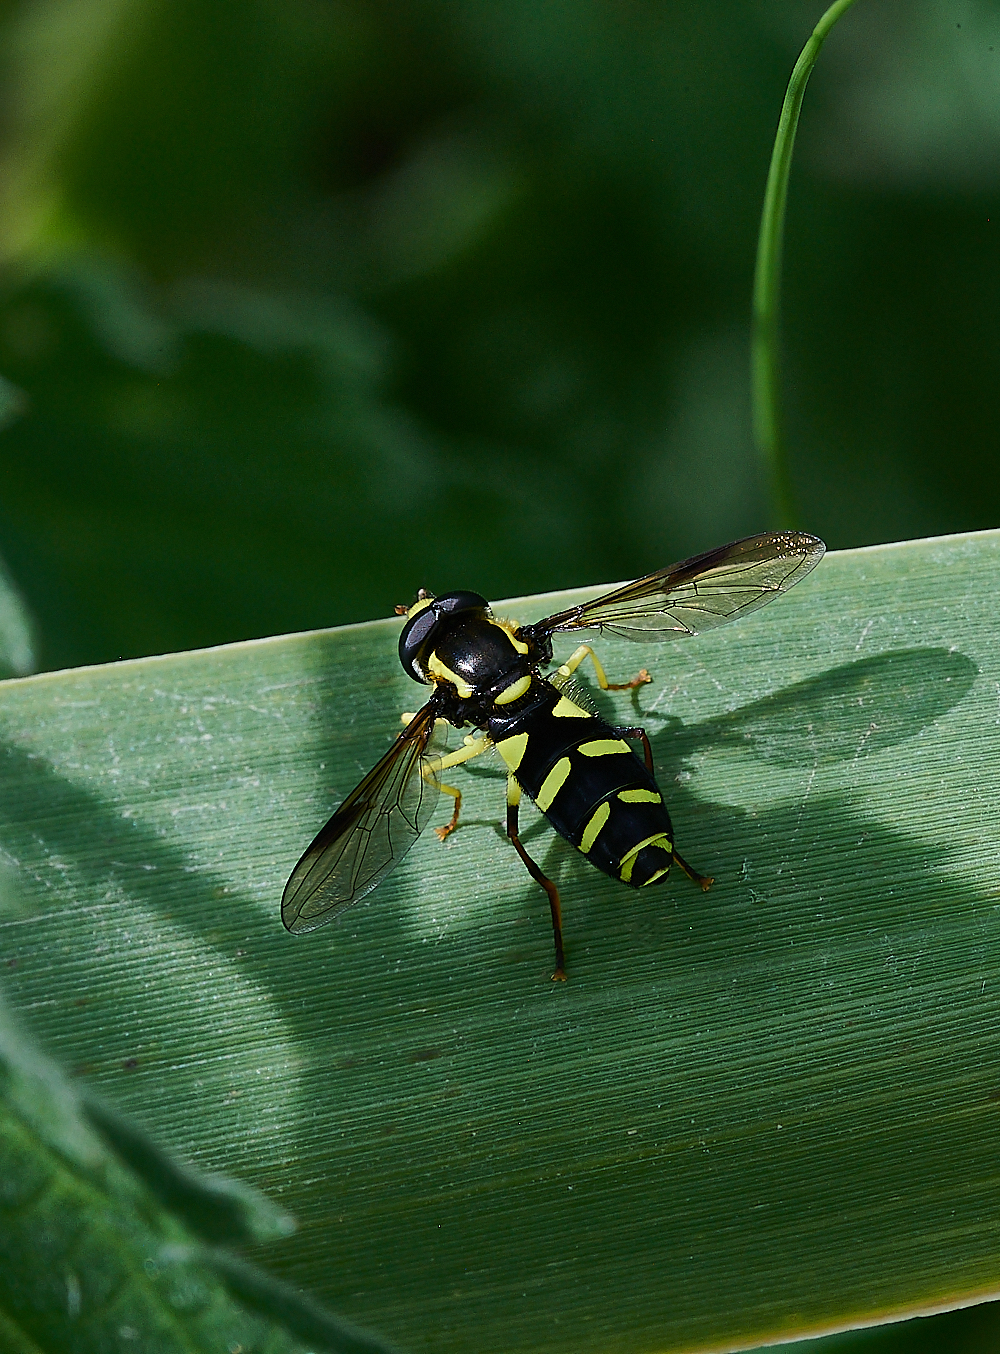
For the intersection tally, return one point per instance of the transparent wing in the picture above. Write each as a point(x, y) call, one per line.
point(372, 830)
point(699, 593)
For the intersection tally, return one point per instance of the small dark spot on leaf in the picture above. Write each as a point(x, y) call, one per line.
point(345, 1063)
point(130, 1064)
point(994, 1095)
point(12, 963)
point(424, 1055)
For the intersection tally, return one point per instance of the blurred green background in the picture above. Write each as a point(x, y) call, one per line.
point(308, 303)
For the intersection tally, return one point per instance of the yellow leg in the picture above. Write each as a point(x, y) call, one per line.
point(585, 651)
point(442, 832)
point(472, 747)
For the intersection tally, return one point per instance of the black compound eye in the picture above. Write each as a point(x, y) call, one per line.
point(419, 634)
point(451, 602)
point(414, 638)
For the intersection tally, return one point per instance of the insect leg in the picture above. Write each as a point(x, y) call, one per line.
point(443, 832)
point(513, 802)
point(636, 732)
point(705, 880)
point(472, 747)
point(585, 651)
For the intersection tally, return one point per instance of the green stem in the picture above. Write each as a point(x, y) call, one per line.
point(765, 356)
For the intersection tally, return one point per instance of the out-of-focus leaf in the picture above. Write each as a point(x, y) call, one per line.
point(88, 1261)
point(214, 1207)
point(17, 653)
point(764, 1111)
point(545, 216)
point(307, 1320)
point(93, 1252)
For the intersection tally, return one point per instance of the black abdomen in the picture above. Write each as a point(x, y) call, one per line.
point(588, 782)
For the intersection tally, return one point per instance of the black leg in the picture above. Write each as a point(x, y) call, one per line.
point(646, 749)
point(560, 974)
point(705, 880)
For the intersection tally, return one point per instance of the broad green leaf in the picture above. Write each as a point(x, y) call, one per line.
point(760, 1112)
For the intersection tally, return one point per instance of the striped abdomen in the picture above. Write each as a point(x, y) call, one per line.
point(588, 783)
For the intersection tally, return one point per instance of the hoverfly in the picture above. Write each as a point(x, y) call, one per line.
point(580, 771)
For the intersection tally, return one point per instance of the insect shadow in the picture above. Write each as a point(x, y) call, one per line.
point(848, 713)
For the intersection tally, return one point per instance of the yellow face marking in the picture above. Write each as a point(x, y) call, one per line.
point(553, 783)
point(509, 629)
point(597, 820)
point(640, 796)
point(513, 692)
point(418, 606)
point(566, 709)
point(512, 749)
point(441, 673)
point(604, 747)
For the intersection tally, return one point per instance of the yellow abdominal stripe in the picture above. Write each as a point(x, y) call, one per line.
point(658, 874)
point(512, 749)
point(604, 747)
point(629, 859)
point(553, 783)
point(597, 821)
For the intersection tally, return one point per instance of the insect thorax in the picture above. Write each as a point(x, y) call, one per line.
point(484, 662)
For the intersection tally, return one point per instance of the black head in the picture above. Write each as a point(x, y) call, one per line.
point(426, 621)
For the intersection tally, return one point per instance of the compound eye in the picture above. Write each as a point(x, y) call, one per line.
point(414, 638)
point(451, 602)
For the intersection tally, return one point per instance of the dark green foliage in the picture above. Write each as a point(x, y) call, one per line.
point(313, 305)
